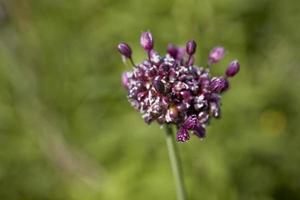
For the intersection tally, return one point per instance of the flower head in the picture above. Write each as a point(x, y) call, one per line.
point(171, 89)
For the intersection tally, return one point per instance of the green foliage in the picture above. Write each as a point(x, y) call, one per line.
point(68, 132)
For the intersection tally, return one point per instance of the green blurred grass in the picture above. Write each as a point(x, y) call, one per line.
point(68, 132)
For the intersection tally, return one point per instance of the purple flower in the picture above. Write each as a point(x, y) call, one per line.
point(182, 135)
point(125, 50)
point(219, 84)
point(216, 54)
point(199, 131)
point(190, 122)
point(191, 47)
point(171, 89)
point(159, 86)
point(147, 41)
point(180, 54)
point(172, 50)
point(233, 68)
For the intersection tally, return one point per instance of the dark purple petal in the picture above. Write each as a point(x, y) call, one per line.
point(233, 68)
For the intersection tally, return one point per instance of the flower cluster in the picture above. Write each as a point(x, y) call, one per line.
point(170, 89)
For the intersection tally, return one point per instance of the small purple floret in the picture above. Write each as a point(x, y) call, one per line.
point(190, 122)
point(191, 47)
point(219, 84)
point(216, 54)
point(147, 41)
point(125, 50)
point(172, 50)
point(199, 131)
point(233, 68)
point(182, 135)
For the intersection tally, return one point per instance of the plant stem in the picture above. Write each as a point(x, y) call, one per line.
point(175, 163)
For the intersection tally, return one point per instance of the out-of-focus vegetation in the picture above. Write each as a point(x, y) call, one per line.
point(68, 132)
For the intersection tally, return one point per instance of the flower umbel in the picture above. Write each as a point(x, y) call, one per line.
point(170, 89)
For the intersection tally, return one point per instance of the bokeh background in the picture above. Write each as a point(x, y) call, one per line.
point(68, 132)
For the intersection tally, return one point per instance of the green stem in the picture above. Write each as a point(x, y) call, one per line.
point(175, 163)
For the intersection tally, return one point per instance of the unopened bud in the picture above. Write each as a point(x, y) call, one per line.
point(216, 54)
point(147, 41)
point(172, 50)
point(125, 50)
point(233, 68)
point(191, 47)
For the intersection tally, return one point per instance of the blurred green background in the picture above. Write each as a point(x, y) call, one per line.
point(68, 132)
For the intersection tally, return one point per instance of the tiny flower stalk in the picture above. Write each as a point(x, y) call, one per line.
point(173, 91)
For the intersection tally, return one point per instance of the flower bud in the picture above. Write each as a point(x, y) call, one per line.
point(180, 53)
point(125, 50)
point(182, 135)
point(199, 130)
point(146, 41)
point(186, 95)
point(182, 107)
point(190, 123)
point(233, 68)
point(159, 86)
point(191, 47)
point(216, 54)
point(219, 84)
point(172, 50)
